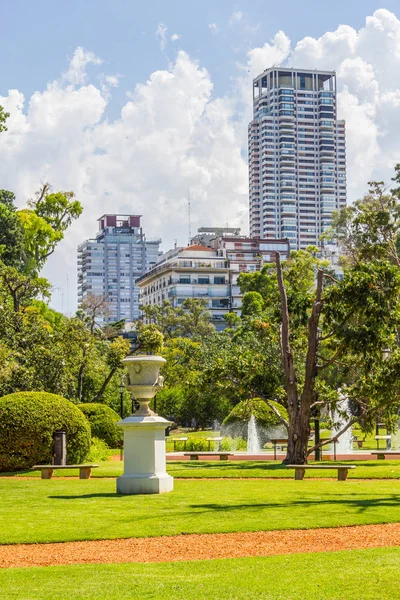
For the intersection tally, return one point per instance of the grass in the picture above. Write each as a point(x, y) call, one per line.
point(366, 574)
point(372, 469)
point(63, 510)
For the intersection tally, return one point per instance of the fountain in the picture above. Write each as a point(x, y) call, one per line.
point(344, 444)
point(144, 432)
point(253, 443)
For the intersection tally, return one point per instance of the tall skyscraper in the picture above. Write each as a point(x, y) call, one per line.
point(110, 264)
point(297, 155)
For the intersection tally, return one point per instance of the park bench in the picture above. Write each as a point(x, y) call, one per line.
point(195, 455)
point(180, 439)
point(341, 469)
point(47, 470)
point(210, 440)
point(381, 454)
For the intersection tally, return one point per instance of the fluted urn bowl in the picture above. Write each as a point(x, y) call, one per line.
point(144, 379)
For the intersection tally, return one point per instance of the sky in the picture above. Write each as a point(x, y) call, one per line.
point(134, 106)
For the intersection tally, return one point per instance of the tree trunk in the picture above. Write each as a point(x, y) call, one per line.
point(298, 435)
point(105, 383)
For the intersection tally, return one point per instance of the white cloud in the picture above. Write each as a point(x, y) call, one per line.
point(235, 17)
point(77, 70)
point(173, 134)
point(161, 35)
point(175, 37)
point(213, 27)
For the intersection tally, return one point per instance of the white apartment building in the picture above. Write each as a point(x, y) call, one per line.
point(110, 264)
point(297, 155)
point(209, 270)
point(242, 254)
point(193, 272)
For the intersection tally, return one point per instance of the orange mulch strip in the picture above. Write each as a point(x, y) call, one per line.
point(200, 546)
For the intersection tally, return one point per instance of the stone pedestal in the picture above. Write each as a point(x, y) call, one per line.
point(144, 456)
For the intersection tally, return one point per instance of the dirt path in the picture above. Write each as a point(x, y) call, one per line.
point(200, 546)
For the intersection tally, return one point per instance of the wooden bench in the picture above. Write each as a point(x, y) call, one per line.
point(47, 470)
point(381, 454)
point(210, 440)
point(341, 469)
point(181, 439)
point(195, 455)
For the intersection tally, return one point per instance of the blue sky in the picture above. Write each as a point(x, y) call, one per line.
point(37, 37)
point(131, 119)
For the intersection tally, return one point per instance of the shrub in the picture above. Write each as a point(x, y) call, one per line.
point(236, 422)
point(28, 421)
point(229, 444)
point(103, 422)
point(196, 444)
point(99, 451)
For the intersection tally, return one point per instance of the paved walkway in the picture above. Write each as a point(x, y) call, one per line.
point(200, 547)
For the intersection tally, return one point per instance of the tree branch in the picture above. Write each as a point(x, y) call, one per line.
point(333, 359)
point(275, 410)
point(334, 438)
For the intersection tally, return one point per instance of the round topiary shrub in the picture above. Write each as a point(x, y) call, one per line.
point(103, 423)
point(28, 421)
point(235, 424)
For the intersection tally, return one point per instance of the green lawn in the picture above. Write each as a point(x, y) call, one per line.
point(349, 575)
point(62, 510)
point(373, 469)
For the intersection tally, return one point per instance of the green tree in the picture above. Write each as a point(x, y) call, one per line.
point(11, 231)
point(191, 319)
point(329, 326)
point(3, 118)
point(44, 222)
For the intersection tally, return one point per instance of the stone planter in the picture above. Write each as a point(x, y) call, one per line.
point(144, 379)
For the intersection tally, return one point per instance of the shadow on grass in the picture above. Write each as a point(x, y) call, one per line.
point(87, 496)
point(357, 503)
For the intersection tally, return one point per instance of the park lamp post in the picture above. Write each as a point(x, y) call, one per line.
point(121, 388)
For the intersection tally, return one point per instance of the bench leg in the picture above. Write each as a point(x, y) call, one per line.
point(381, 457)
point(47, 473)
point(299, 474)
point(342, 474)
point(85, 472)
point(223, 457)
point(196, 457)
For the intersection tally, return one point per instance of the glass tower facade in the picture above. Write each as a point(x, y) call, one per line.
point(297, 156)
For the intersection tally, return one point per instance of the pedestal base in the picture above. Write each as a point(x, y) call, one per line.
point(145, 484)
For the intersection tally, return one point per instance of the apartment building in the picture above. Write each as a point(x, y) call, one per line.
point(209, 270)
point(110, 264)
point(193, 272)
point(243, 254)
point(297, 155)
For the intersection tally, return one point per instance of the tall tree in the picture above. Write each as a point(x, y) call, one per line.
point(44, 222)
point(325, 327)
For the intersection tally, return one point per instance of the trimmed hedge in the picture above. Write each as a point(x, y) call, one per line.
point(237, 420)
point(28, 421)
point(103, 421)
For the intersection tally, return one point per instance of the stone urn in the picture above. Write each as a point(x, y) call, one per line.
point(144, 379)
point(144, 431)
